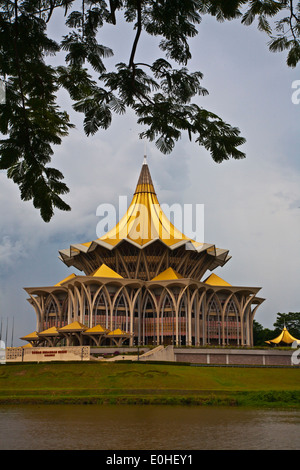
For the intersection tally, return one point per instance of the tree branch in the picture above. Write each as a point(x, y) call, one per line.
point(138, 33)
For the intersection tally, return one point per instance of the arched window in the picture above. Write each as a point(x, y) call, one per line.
point(100, 314)
point(149, 329)
point(167, 321)
point(121, 313)
point(214, 327)
point(231, 323)
point(183, 321)
point(51, 314)
point(64, 314)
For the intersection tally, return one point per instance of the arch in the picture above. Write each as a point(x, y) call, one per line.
point(167, 317)
point(231, 326)
point(52, 312)
point(100, 309)
point(214, 319)
point(64, 312)
point(120, 311)
point(37, 303)
point(135, 303)
point(149, 320)
point(183, 319)
point(199, 297)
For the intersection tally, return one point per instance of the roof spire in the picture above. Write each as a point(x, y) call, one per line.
point(145, 153)
point(145, 184)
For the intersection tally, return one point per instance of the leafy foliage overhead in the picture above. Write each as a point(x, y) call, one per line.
point(160, 93)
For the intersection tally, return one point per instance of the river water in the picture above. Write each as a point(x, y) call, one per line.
point(92, 427)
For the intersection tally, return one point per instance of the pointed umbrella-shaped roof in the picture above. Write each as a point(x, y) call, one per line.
point(144, 220)
point(143, 223)
point(284, 337)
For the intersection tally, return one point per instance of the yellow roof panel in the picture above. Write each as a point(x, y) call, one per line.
point(105, 271)
point(117, 332)
point(96, 329)
point(215, 280)
point(75, 326)
point(66, 279)
point(50, 331)
point(31, 336)
point(166, 275)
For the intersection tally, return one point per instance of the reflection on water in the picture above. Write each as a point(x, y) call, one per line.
point(147, 428)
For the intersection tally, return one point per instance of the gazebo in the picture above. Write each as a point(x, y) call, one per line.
point(51, 335)
point(73, 332)
point(118, 336)
point(284, 337)
point(97, 334)
point(32, 338)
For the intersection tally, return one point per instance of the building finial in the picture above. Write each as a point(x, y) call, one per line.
point(145, 154)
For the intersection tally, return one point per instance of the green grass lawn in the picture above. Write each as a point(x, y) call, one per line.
point(148, 383)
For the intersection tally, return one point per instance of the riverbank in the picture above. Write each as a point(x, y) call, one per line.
point(144, 383)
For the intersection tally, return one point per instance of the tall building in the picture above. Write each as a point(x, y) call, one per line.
point(144, 282)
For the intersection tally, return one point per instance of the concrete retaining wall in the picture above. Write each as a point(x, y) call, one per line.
point(159, 354)
point(234, 356)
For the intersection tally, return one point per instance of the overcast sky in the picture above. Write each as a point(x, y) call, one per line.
point(252, 206)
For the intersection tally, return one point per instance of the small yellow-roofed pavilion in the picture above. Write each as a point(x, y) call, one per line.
point(51, 335)
point(97, 334)
point(32, 338)
point(73, 331)
point(118, 336)
point(284, 337)
point(74, 326)
point(53, 331)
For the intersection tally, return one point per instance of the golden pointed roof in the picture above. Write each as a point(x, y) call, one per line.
point(53, 331)
point(31, 336)
point(144, 223)
point(98, 329)
point(71, 276)
point(284, 337)
point(75, 326)
point(214, 280)
point(144, 220)
point(167, 275)
point(105, 271)
point(118, 332)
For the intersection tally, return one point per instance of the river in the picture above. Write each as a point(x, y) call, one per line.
point(92, 427)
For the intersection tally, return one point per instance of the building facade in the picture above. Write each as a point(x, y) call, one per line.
point(141, 283)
